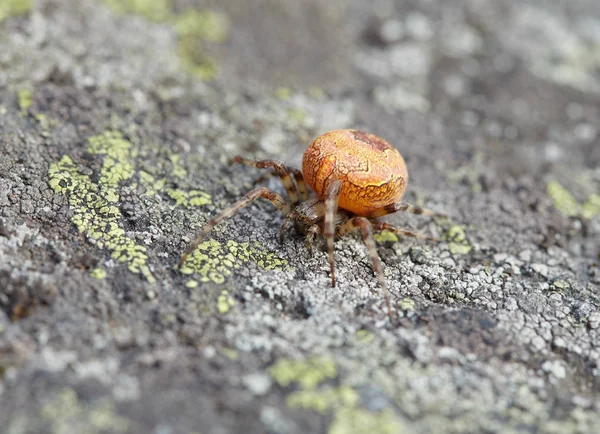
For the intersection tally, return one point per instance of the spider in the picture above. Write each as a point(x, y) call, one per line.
point(357, 177)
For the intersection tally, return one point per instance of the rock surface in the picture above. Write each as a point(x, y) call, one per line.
point(117, 120)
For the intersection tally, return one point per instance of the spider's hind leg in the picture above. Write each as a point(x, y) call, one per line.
point(278, 201)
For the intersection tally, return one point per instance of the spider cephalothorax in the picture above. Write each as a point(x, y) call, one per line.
point(357, 177)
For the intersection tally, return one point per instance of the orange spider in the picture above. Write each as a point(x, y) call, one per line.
point(357, 177)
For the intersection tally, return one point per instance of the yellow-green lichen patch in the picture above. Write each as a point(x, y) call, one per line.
point(151, 185)
point(350, 420)
point(66, 414)
point(323, 399)
point(364, 336)
point(457, 238)
point(192, 284)
point(94, 204)
point(98, 273)
point(205, 24)
point(307, 373)
point(214, 261)
point(591, 207)
point(407, 304)
point(343, 401)
point(563, 200)
point(195, 28)
point(385, 237)
point(225, 302)
point(178, 170)
point(230, 353)
point(195, 60)
point(568, 205)
point(154, 10)
point(25, 97)
point(11, 8)
point(189, 198)
point(283, 93)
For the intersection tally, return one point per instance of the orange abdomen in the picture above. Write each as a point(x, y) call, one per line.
point(373, 173)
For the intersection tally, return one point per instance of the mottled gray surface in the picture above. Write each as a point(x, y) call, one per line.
point(495, 106)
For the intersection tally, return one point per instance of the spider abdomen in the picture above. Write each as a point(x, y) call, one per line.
point(372, 173)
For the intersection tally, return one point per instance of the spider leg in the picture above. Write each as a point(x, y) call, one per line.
point(312, 232)
point(281, 170)
point(366, 227)
point(299, 178)
point(383, 226)
point(286, 223)
point(278, 201)
point(331, 206)
point(401, 206)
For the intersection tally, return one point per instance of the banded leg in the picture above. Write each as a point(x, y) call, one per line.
point(383, 226)
point(298, 177)
point(365, 226)
point(281, 170)
point(311, 234)
point(400, 206)
point(278, 201)
point(286, 224)
point(331, 206)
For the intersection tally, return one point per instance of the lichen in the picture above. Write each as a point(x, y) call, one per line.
point(189, 198)
point(94, 204)
point(563, 200)
point(591, 208)
point(67, 414)
point(214, 261)
point(385, 237)
point(204, 24)
point(324, 399)
point(349, 420)
point(307, 373)
point(568, 205)
point(98, 273)
point(458, 243)
point(11, 8)
point(195, 60)
point(25, 97)
point(193, 28)
point(407, 304)
point(153, 10)
point(343, 401)
point(225, 302)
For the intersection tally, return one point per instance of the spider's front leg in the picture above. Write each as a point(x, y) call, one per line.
point(365, 226)
point(278, 201)
point(331, 207)
point(401, 206)
point(383, 226)
point(295, 187)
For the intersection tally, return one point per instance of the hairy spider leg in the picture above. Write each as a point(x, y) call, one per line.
point(366, 227)
point(331, 207)
point(278, 201)
point(311, 234)
point(285, 173)
point(298, 177)
point(289, 219)
point(383, 226)
point(401, 206)
point(302, 187)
